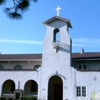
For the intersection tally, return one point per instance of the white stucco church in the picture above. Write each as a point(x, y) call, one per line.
point(57, 73)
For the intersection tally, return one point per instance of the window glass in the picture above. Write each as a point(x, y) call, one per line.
point(1, 67)
point(78, 91)
point(81, 91)
point(84, 66)
point(18, 67)
point(37, 66)
point(80, 66)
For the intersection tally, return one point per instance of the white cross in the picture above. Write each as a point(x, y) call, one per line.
point(58, 10)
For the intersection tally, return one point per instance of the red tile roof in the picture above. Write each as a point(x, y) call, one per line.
point(39, 56)
point(20, 56)
point(86, 55)
point(60, 18)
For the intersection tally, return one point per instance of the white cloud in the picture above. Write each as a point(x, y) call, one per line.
point(79, 42)
point(20, 41)
point(86, 42)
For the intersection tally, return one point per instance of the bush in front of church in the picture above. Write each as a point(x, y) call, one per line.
point(2, 98)
point(28, 98)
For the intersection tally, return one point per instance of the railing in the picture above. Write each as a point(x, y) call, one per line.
point(8, 95)
point(60, 44)
point(30, 95)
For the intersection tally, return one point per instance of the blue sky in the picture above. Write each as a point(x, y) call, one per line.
point(26, 35)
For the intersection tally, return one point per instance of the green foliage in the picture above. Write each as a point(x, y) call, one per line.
point(8, 98)
point(33, 98)
point(2, 98)
point(19, 6)
point(28, 98)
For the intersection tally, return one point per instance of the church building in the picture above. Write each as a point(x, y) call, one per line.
point(57, 73)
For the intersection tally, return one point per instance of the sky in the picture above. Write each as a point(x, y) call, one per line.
point(26, 36)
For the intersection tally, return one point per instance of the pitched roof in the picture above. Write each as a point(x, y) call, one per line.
point(39, 56)
point(20, 56)
point(86, 55)
point(60, 18)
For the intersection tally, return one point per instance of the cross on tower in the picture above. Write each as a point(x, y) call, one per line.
point(58, 10)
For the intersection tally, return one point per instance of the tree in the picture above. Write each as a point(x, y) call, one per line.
point(19, 6)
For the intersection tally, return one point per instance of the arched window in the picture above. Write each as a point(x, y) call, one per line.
point(56, 37)
point(18, 67)
point(37, 66)
point(8, 87)
point(30, 88)
point(1, 67)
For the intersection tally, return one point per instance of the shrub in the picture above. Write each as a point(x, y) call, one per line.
point(2, 98)
point(33, 98)
point(8, 98)
point(28, 98)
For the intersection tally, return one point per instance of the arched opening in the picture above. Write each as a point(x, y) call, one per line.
point(8, 88)
point(1, 67)
point(56, 37)
point(18, 67)
point(55, 88)
point(30, 88)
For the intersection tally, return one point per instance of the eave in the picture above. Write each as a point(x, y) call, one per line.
point(59, 18)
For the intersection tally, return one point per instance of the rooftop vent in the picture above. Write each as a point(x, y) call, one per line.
point(82, 51)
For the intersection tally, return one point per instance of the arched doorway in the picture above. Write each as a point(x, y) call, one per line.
point(55, 88)
point(8, 88)
point(30, 88)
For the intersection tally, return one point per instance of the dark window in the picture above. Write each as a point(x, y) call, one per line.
point(33, 86)
point(84, 66)
point(81, 91)
point(37, 66)
point(78, 91)
point(80, 66)
point(56, 37)
point(1, 67)
point(17, 95)
point(12, 86)
point(18, 67)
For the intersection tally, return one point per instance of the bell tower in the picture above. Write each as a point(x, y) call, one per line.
point(57, 42)
point(56, 59)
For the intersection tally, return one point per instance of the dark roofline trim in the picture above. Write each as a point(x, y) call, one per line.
point(60, 18)
point(18, 70)
point(38, 57)
point(86, 70)
point(86, 58)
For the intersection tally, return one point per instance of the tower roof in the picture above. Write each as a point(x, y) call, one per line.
point(60, 18)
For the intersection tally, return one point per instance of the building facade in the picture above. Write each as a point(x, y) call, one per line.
point(56, 74)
